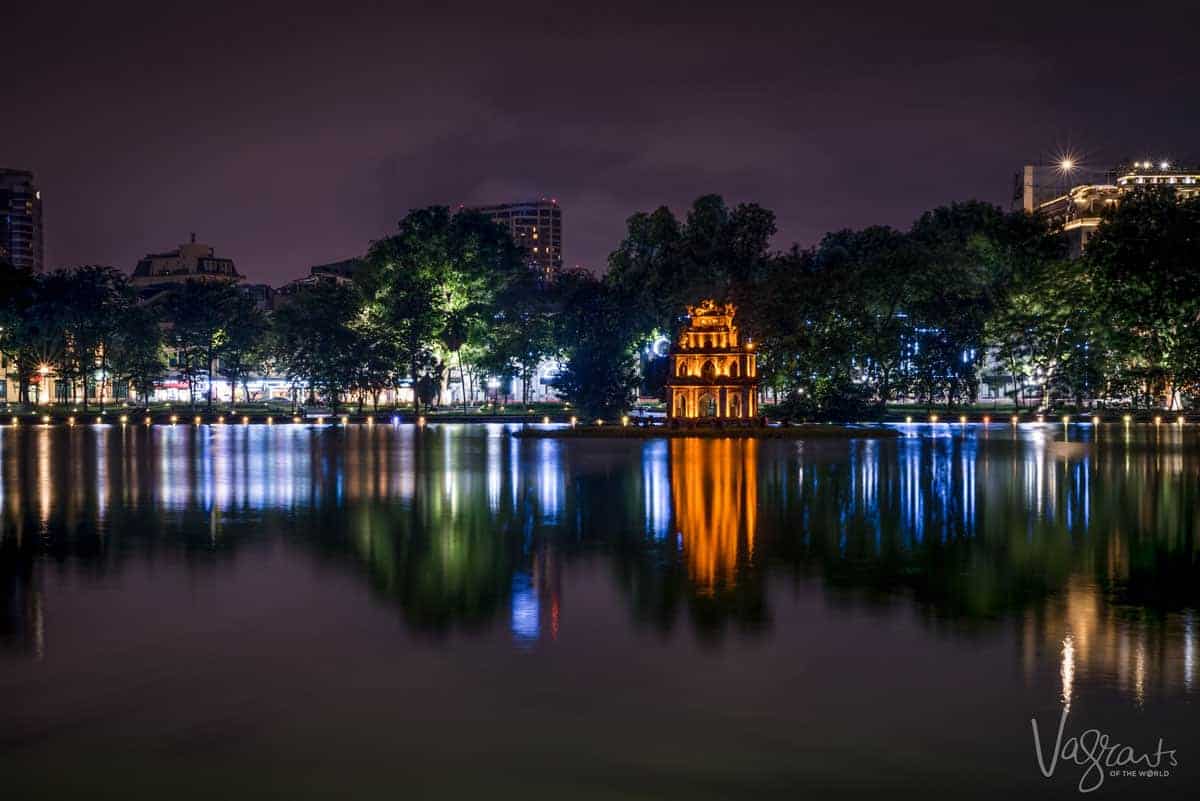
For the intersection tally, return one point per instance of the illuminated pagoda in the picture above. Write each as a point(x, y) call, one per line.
point(713, 375)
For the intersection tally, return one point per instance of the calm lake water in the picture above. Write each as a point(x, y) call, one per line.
point(300, 612)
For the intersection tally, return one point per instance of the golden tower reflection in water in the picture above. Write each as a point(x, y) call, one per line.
point(714, 499)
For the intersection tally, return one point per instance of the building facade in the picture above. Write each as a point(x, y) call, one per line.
point(21, 242)
point(713, 374)
point(1074, 200)
point(536, 227)
point(191, 261)
point(1077, 208)
point(340, 273)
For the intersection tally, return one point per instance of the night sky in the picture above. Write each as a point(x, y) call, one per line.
point(294, 133)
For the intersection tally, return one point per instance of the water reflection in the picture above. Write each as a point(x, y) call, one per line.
point(1081, 544)
point(22, 609)
point(1140, 652)
point(714, 489)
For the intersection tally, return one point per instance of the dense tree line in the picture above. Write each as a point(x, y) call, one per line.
point(968, 293)
point(865, 318)
point(449, 298)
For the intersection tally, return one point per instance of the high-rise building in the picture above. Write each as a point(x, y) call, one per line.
point(1076, 202)
point(20, 220)
point(537, 227)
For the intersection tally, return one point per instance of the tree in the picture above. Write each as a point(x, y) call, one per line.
point(316, 341)
point(375, 365)
point(245, 344)
point(28, 331)
point(600, 375)
point(200, 313)
point(663, 265)
point(431, 282)
point(455, 334)
point(403, 287)
point(521, 332)
point(810, 338)
point(1044, 330)
point(89, 305)
point(969, 254)
point(138, 350)
point(1144, 262)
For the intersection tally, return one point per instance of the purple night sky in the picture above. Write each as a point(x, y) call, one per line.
point(293, 133)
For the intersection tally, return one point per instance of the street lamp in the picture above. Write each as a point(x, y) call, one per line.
point(1065, 165)
point(43, 371)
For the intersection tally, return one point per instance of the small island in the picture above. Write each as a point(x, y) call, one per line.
point(712, 393)
point(801, 431)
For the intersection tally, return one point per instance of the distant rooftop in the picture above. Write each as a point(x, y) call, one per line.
point(190, 261)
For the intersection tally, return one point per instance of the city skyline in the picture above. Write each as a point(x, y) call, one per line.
point(294, 144)
point(1074, 176)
